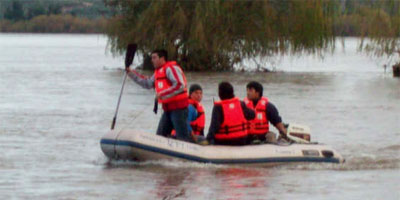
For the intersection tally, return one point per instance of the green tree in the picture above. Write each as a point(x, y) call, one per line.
point(380, 30)
point(54, 9)
point(215, 35)
point(36, 9)
point(14, 12)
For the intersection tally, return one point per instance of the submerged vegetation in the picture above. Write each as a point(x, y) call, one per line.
point(377, 22)
point(215, 35)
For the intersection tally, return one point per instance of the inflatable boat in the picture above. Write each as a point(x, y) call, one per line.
point(141, 146)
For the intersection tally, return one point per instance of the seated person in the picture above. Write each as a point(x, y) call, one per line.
point(195, 96)
point(229, 118)
point(192, 116)
point(265, 112)
point(196, 116)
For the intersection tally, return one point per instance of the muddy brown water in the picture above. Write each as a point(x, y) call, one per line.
point(58, 95)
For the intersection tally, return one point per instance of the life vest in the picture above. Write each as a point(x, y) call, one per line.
point(260, 124)
point(162, 83)
point(235, 124)
point(198, 124)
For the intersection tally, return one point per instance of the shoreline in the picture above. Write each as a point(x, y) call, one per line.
point(52, 33)
point(55, 24)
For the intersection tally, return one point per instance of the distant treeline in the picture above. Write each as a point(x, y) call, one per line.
point(50, 16)
point(16, 10)
point(55, 24)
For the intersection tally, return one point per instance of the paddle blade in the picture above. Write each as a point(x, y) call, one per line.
point(130, 53)
point(155, 108)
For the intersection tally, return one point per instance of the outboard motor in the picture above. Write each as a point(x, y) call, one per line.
point(298, 133)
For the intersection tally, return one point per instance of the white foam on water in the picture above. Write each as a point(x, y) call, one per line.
point(171, 164)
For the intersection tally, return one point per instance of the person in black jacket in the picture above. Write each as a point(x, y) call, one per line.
point(266, 113)
point(230, 131)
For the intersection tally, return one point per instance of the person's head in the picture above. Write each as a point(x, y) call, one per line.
point(225, 91)
point(159, 57)
point(196, 92)
point(254, 90)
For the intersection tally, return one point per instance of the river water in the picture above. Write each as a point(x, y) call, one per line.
point(58, 95)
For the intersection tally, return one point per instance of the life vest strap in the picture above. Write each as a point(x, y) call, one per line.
point(234, 128)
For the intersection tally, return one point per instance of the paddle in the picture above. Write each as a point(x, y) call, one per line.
point(155, 107)
point(130, 53)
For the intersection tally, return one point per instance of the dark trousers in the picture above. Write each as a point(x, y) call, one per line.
point(232, 142)
point(176, 119)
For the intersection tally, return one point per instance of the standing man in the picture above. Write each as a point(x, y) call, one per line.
point(195, 97)
point(265, 112)
point(171, 91)
point(229, 118)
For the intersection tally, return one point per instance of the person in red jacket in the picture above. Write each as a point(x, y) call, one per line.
point(229, 118)
point(195, 97)
point(266, 112)
point(170, 85)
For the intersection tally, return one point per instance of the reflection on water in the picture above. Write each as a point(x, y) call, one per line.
point(177, 179)
point(240, 183)
point(169, 185)
point(57, 100)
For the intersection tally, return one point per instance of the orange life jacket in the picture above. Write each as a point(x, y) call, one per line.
point(260, 124)
point(235, 124)
point(198, 124)
point(162, 83)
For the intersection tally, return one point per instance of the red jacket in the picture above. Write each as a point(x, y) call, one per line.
point(198, 124)
point(234, 125)
point(165, 89)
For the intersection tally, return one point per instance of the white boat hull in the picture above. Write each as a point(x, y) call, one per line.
point(140, 146)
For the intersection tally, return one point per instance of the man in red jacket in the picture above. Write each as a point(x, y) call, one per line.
point(170, 85)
